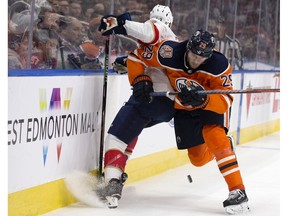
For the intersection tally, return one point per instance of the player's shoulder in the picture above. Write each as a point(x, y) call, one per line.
point(171, 46)
point(216, 64)
point(155, 21)
point(171, 52)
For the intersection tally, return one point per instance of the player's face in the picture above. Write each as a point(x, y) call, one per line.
point(194, 60)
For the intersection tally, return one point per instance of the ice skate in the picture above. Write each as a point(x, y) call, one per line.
point(237, 202)
point(113, 190)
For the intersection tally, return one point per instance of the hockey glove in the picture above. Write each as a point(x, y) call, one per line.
point(189, 95)
point(114, 24)
point(142, 87)
point(74, 61)
point(119, 65)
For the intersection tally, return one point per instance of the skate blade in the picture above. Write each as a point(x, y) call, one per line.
point(112, 202)
point(243, 208)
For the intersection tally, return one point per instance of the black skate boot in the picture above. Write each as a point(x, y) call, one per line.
point(114, 190)
point(236, 202)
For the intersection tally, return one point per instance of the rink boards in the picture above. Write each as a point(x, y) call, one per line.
point(54, 125)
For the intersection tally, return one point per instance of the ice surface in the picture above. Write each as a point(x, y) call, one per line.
point(171, 194)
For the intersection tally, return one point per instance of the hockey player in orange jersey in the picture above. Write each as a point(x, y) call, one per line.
point(201, 121)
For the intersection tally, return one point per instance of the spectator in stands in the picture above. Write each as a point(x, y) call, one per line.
point(14, 61)
point(49, 20)
point(37, 58)
point(226, 45)
point(131, 5)
point(47, 41)
point(54, 5)
point(75, 10)
point(120, 9)
point(99, 8)
point(75, 51)
point(18, 42)
point(94, 34)
point(184, 35)
point(87, 14)
point(19, 17)
point(119, 45)
point(64, 7)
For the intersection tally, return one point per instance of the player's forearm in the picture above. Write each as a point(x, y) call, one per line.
point(145, 32)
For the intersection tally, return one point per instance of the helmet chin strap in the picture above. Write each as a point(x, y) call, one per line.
point(187, 65)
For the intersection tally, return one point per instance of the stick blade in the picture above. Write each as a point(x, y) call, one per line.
point(83, 187)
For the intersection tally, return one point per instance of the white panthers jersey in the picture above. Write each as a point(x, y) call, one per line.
point(150, 32)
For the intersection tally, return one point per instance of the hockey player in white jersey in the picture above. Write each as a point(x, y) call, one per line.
point(154, 30)
point(135, 115)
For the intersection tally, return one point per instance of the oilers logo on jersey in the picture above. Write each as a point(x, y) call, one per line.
point(182, 81)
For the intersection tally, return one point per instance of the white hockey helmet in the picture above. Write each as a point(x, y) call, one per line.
point(162, 13)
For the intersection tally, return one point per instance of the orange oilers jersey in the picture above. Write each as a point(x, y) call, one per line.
point(214, 73)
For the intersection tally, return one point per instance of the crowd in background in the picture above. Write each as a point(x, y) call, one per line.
point(64, 35)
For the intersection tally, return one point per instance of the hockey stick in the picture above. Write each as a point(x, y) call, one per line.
point(203, 92)
point(106, 65)
point(82, 185)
